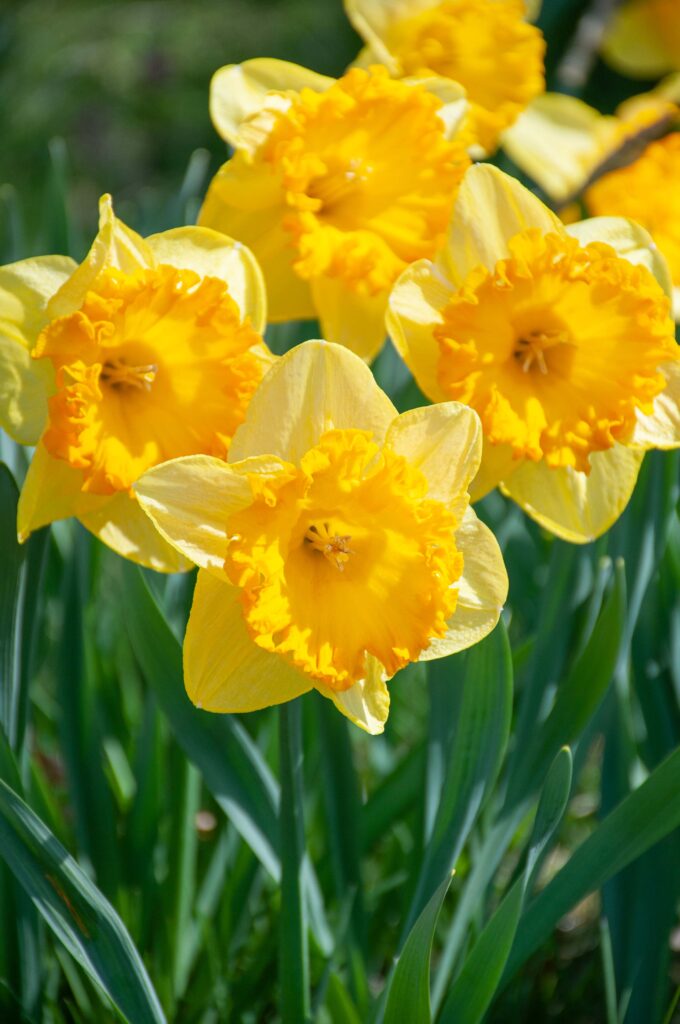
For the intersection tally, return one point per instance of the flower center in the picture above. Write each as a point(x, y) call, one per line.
point(342, 557)
point(369, 177)
point(485, 45)
point(531, 347)
point(556, 348)
point(333, 546)
point(118, 374)
point(154, 365)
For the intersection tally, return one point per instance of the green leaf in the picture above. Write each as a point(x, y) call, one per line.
point(578, 696)
point(293, 946)
point(11, 557)
point(75, 910)
point(232, 766)
point(408, 997)
point(645, 817)
point(477, 748)
point(476, 985)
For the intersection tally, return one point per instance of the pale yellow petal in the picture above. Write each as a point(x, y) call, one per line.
point(631, 241)
point(413, 312)
point(573, 506)
point(212, 254)
point(51, 491)
point(634, 44)
point(455, 105)
point(25, 290)
point(490, 209)
point(191, 499)
point(314, 388)
point(497, 464)
point(115, 245)
point(445, 443)
point(346, 318)
point(367, 703)
point(374, 20)
point(24, 387)
point(238, 91)
point(245, 201)
point(558, 141)
point(661, 429)
point(120, 523)
point(224, 669)
point(482, 590)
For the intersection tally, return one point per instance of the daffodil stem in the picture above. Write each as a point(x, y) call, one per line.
point(293, 949)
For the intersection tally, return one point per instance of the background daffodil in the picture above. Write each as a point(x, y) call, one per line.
point(336, 186)
point(336, 545)
point(643, 39)
point(487, 46)
point(149, 349)
point(564, 144)
point(564, 346)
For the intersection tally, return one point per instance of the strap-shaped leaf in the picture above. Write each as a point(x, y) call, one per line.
point(408, 998)
point(75, 910)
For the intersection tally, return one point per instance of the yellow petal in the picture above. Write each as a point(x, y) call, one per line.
point(558, 141)
point(24, 387)
point(314, 388)
point(482, 590)
point(120, 523)
point(114, 246)
point(490, 209)
point(245, 201)
point(346, 318)
point(454, 107)
point(445, 443)
point(51, 491)
point(238, 91)
point(497, 464)
point(631, 241)
point(224, 669)
point(367, 703)
point(573, 506)
point(661, 429)
point(190, 500)
point(634, 45)
point(212, 254)
point(25, 290)
point(414, 310)
point(374, 20)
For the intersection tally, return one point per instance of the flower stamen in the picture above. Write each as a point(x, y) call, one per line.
point(117, 374)
point(334, 547)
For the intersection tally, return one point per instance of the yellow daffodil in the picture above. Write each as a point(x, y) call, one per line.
point(335, 185)
point(560, 338)
point(336, 545)
point(644, 38)
point(148, 350)
point(563, 144)
point(487, 46)
point(648, 191)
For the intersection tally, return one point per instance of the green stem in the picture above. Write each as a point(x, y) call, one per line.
point(293, 951)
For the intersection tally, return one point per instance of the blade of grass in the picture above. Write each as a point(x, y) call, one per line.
point(293, 948)
point(408, 996)
point(75, 910)
point(644, 818)
point(475, 986)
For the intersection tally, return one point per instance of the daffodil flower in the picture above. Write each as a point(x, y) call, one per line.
point(336, 186)
point(487, 46)
point(148, 350)
point(564, 145)
point(336, 545)
point(560, 338)
point(647, 191)
point(643, 39)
